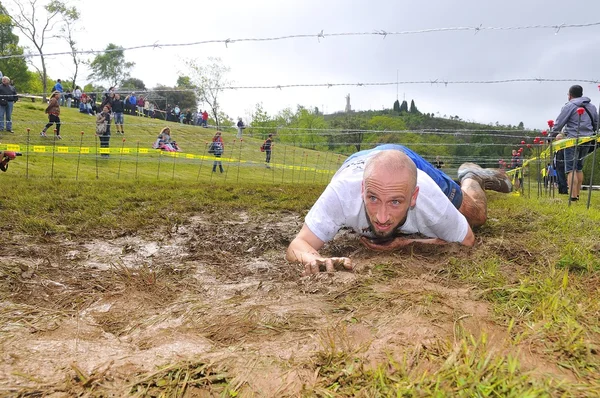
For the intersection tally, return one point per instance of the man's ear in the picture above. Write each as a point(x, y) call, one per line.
point(413, 199)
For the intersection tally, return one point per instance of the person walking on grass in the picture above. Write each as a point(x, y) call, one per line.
point(216, 148)
point(103, 128)
point(53, 111)
point(268, 146)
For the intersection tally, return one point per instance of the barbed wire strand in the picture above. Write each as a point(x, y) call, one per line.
point(318, 36)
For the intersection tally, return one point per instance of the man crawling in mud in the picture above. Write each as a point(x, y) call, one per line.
point(389, 192)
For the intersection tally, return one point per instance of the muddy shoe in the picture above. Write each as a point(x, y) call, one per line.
point(490, 179)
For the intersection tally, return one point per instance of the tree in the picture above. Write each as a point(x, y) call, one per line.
point(413, 107)
point(521, 126)
point(15, 68)
point(404, 107)
point(397, 106)
point(70, 16)
point(111, 66)
point(210, 80)
point(133, 84)
point(39, 28)
point(175, 96)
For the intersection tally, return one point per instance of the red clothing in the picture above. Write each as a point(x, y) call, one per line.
point(205, 116)
point(219, 138)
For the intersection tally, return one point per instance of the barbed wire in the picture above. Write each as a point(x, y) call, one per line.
point(283, 131)
point(318, 36)
point(432, 82)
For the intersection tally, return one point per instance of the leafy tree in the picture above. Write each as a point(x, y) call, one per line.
point(311, 122)
point(174, 96)
point(404, 107)
point(37, 23)
point(262, 124)
point(352, 133)
point(70, 17)
point(132, 83)
point(413, 107)
point(397, 106)
point(15, 68)
point(111, 66)
point(521, 126)
point(210, 80)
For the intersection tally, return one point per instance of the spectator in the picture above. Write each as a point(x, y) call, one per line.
point(198, 118)
point(576, 126)
point(559, 165)
point(103, 128)
point(181, 117)
point(8, 97)
point(165, 142)
point(240, 128)
point(268, 145)
point(146, 107)
point(176, 112)
point(58, 87)
point(151, 109)
point(140, 106)
point(108, 98)
point(77, 96)
point(216, 148)
point(132, 103)
point(118, 108)
point(515, 163)
point(85, 106)
point(188, 117)
point(53, 111)
point(68, 98)
point(205, 118)
point(438, 163)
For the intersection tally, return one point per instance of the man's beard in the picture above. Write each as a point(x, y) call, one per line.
point(382, 237)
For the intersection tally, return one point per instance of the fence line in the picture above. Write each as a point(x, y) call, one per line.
point(318, 36)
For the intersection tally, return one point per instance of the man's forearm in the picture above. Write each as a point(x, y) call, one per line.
point(300, 251)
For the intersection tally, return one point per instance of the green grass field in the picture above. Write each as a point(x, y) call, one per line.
point(86, 311)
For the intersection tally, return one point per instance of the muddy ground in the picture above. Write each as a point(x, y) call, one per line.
point(216, 297)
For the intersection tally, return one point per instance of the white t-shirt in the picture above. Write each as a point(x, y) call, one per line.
point(341, 205)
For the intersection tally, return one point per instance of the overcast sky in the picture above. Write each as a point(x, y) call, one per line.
point(447, 56)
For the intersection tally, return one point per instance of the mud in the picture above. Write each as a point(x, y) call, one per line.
point(218, 290)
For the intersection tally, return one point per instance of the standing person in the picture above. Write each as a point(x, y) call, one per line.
point(132, 103)
point(570, 120)
point(205, 118)
point(68, 98)
point(103, 128)
point(240, 128)
point(140, 106)
point(217, 148)
point(438, 163)
point(58, 87)
point(559, 166)
point(53, 111)
point(118, 108)
point(516, 162)
point(77, 96)
point(8, 97)
point(268, 146)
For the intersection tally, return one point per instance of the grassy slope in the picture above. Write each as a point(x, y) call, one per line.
point(545, 295)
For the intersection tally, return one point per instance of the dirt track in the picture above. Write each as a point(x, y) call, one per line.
point(103, 315)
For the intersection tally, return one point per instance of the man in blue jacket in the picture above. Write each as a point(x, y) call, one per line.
point(570, 120)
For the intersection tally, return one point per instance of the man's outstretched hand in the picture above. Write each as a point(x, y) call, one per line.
point(314, 266)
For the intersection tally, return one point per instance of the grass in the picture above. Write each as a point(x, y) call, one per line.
point(75, 156)
point(536, 265)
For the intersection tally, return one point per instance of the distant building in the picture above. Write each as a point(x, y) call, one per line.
point(348, 107)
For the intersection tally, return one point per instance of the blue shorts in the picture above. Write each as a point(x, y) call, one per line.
point(582, 151)
point(118, 117)
point(450, 188)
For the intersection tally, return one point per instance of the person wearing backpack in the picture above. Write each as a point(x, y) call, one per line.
point(570, 120)
point(216, 148)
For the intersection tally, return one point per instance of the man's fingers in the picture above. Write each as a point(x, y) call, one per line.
point(375, 246)
point(329, 265)
point(342, 261)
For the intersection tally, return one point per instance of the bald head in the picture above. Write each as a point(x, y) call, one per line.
point(391, 162)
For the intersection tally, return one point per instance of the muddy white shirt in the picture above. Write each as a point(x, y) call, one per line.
point(341, 205)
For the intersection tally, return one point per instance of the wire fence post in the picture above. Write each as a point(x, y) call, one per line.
point(27, 155)
point(97, 156)
point(79, 157)
point(137, 159)
point(202, 161)
point(174, 161)
point(316, 167)
point(53, 152)
point(159, 159)
point(595, 149)
point(237, 180)
point(231, 157)
point(284, 164)
point(120, 160)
